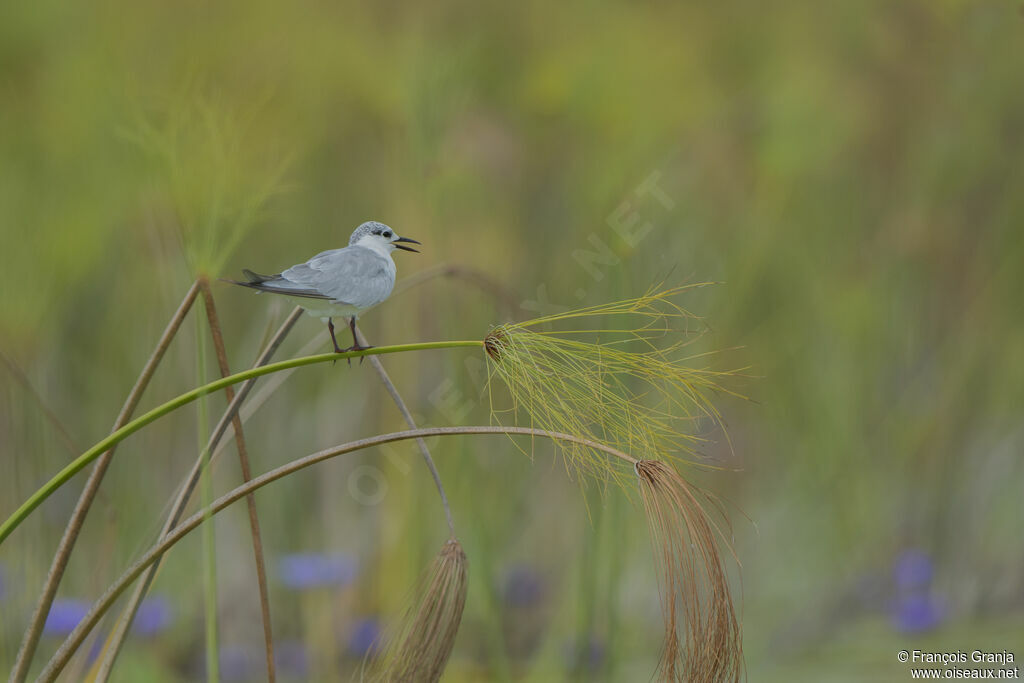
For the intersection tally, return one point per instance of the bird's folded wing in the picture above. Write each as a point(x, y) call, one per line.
point(275, 284)
point(354, 275)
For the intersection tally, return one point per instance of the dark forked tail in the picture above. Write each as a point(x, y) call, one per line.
point(256, 278)
point(252, 279)
point(265, 283)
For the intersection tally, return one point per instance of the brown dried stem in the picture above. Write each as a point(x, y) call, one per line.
point(151, 556)
point(85, 499)
point(184, 495)
point(21, 378)
point(424, 451)
point(485, 282)
point(243, 459)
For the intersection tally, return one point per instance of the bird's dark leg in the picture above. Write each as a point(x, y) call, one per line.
point(330, 328)
point(356, 346)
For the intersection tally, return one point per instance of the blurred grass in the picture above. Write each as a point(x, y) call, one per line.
point(849, 170)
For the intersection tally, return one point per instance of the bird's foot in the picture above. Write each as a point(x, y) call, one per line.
point(354, 347)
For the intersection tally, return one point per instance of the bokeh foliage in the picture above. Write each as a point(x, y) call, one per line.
point(850, 172)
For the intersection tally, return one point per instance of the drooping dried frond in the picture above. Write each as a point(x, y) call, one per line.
point(635, 387)
point(418, 648)
point(703, 639)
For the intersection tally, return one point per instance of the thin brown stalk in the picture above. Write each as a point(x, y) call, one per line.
point(151, 556)
point(243, 459)
point(424, 451)
point(117, 637)
point(21, 378)
point(85, 499)
point(419, 648)
point(485, 282)
point(269, 387)
point(703, 637)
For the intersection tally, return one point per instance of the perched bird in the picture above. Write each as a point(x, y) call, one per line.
point(340, 282)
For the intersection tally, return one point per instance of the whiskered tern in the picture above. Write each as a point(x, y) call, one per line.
point(340, 282)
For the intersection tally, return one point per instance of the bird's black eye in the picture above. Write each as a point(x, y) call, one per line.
point(388, 234)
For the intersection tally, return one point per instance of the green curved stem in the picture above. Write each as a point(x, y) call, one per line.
point(76, 465)
point(86, 624)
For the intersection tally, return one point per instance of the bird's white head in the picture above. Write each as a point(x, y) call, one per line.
point(380, 238)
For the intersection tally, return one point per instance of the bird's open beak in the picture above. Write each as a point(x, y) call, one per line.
point(402, 247)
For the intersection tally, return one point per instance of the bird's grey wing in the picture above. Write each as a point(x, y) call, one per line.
point(275, 284)
point(354, 275)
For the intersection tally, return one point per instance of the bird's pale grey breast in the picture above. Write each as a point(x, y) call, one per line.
point(354, 275)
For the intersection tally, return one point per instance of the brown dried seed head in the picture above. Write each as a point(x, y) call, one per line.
point(494, 343)
point(422, 642)
point(703, 636)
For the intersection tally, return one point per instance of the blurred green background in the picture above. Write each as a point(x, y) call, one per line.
point(849, 171)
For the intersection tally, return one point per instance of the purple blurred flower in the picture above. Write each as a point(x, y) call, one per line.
point(364, 639)
point(64, 616)
point(291, 658)
point(154, 615)
point(917, 613)
point(239, 663)
point(524, 587)
point(913, 570)
point(303, 571)
point(914, 609)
